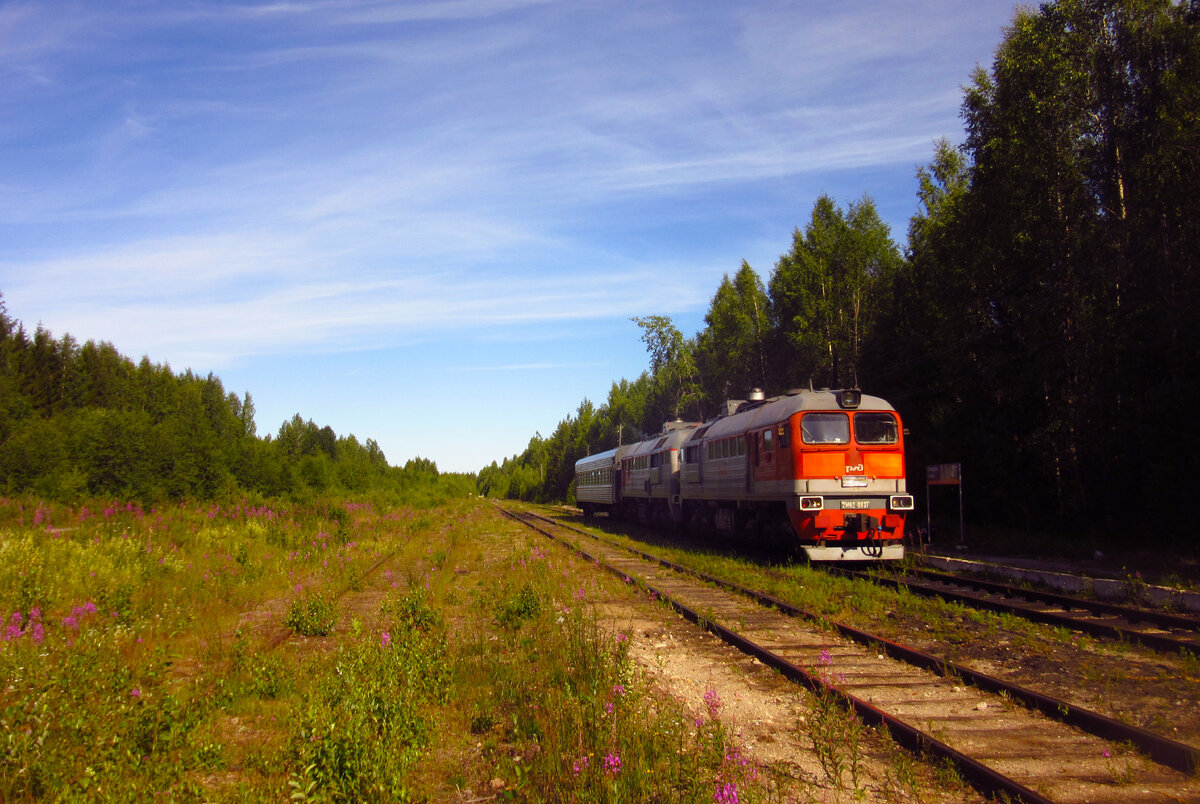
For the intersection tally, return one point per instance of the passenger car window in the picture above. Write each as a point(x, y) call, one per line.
point(875, 428)
point(825, 428)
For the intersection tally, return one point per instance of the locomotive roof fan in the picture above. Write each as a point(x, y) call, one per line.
point(849, 398)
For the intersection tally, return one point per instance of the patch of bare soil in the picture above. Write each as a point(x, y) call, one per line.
point(770, 716)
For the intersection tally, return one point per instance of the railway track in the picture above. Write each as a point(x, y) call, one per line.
point(1159, 630)
point(1050, 751)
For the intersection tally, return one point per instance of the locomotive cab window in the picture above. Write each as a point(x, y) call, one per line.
point(875, 428)
point(825, 428)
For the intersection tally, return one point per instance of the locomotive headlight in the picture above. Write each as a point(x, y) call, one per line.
point(850, 398)
point(901, 502)
point(812, 503)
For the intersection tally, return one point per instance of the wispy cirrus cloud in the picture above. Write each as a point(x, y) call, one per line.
point(214, 301)
point(231, 184)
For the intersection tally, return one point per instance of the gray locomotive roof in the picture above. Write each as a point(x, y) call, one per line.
point(754, 414)
point(780, 408)
point(668, 440)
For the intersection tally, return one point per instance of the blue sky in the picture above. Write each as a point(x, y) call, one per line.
point(429, 223)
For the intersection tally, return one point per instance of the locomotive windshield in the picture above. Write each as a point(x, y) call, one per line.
point(825, 428)
point(875, 428)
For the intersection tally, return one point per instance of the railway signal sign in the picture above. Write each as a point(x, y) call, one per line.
point(943, 474)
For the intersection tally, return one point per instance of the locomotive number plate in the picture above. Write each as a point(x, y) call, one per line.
point(856, 505)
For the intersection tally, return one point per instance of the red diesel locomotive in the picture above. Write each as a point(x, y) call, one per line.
point(821, 470)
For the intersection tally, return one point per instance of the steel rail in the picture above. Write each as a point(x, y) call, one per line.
point(1161, 749)
point(281, 635)
point(1162, 619)
point(983, 778)
point(1108, 630)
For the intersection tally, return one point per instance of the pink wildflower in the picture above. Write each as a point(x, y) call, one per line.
point(726, 794)
point(713, 702)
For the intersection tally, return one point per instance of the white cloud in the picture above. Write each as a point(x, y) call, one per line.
point(210, 183)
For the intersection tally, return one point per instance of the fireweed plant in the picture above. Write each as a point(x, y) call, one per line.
point(560, 712)
point(118, 650)
point(364, 726)
point(147, 652)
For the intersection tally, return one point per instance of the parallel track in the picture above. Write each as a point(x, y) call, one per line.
point(984, 777)
point(1155, 629)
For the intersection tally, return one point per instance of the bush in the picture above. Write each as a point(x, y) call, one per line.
point(311, 615)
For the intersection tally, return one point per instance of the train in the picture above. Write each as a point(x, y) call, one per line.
point(818, 470)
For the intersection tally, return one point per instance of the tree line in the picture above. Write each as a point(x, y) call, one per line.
point(83, 421)
point(1040, 324)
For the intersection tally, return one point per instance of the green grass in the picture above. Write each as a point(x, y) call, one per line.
point(121, 648)
point(332, 652)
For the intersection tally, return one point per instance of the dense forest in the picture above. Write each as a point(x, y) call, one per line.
point(82, 421)
point(1041, 324)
